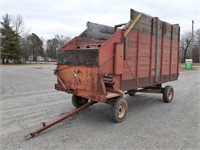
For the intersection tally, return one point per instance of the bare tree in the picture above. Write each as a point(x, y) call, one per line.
point(189, 43)
point(19, 25)
point(23, 32)
point(185, 46)
point(62, 40)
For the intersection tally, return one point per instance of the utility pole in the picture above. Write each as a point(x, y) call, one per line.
point(191, 47)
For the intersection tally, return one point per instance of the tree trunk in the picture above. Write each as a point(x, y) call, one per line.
point(3, 61)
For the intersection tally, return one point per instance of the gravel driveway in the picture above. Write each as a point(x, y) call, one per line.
point(28, 98)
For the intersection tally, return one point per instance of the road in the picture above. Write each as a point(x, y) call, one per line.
point(28, 98)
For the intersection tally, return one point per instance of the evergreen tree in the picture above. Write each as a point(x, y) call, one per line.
point(36, 46)
point(52, 47)
point(10, 41)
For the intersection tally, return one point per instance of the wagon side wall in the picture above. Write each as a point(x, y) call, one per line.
point(151, 53)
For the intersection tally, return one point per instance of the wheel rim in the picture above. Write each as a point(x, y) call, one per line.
point(121, 111)
point(170, 94)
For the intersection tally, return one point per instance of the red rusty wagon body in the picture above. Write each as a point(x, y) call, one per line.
point(104, 63)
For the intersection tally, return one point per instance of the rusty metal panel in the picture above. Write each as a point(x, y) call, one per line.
point(82, 43)
point(107, 52)
point(82, 80)
point(119, 55)
point(70, 45)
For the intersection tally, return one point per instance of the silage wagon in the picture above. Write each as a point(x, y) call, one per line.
point(104, 63)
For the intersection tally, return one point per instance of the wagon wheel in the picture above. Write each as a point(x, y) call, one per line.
point(168, 94)
point(132, 92)
point(78, 101)
point(119, 109)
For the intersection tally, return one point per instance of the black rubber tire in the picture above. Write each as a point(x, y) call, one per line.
point(78, 101)
point(132, 93)
point(119, 109)
point(168, 94)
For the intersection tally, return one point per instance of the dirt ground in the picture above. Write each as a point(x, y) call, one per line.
point(28, 98)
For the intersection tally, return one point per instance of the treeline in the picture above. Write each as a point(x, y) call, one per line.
point(18, 45)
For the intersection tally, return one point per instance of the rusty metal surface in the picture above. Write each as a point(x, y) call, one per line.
point(82, 80)
point(82, 43)
point(151, 90)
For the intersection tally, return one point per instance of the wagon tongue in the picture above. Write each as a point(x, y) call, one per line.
point(67, 115)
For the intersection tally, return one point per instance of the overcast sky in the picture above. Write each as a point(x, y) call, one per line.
point(68, 17)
